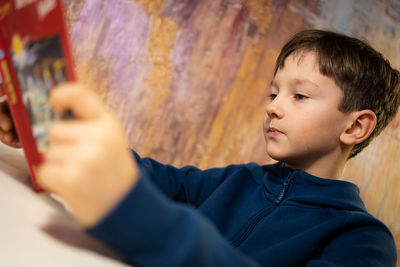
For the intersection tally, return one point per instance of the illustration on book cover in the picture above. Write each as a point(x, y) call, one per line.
point(39, 65)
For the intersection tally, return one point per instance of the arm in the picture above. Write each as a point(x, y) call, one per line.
point(88, 165)
point(188, 184)
point(150, 230)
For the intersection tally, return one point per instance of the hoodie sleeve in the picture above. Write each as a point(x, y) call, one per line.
point(149, 229)
point(188, 184)
point(371, 245)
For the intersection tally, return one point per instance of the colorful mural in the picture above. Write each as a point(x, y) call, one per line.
point(188, 79)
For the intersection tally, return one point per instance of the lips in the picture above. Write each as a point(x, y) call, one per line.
point(272, 129)
point(273, 132)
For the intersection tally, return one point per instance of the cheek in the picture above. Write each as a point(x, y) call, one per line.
point(325, 127)
point(333, 121)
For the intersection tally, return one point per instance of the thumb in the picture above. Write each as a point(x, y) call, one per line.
point(74, 97)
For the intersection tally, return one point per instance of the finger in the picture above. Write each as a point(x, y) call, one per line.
point(68, 131)
point(15, 143)
point(59, 154)
point(10, 138)
point(5, 119)
point(58, 177)
point(5, 123)
point(47, 177)
point(83, 103)
point(7, 138)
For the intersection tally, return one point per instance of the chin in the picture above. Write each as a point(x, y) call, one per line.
point(287, 158)
point(275, 156)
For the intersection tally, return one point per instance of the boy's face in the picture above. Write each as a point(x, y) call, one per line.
point(302, 123)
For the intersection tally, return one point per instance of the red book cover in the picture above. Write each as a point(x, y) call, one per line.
point(34, 57)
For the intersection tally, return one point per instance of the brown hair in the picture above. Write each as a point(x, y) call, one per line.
point(365, 76)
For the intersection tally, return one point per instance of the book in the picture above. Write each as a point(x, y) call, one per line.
point(35, 56)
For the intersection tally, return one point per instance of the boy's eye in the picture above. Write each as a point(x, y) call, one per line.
point(299, 97)
point(272, 96)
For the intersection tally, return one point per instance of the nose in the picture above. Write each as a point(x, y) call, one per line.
point(274, 109)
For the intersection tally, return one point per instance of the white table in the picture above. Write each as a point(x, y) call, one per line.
point(35, 230)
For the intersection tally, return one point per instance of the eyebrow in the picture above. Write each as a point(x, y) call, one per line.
point(274, 84)
point(305, 81)
point(296, 81)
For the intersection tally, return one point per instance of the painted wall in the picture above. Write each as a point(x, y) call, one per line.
point(188, 78)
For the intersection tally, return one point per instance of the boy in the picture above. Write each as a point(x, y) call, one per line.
point(330, 95)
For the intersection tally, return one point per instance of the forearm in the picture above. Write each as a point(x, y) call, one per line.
point(150, 230)
point(188, 184)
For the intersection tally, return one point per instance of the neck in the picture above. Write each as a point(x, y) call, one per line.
point(329, 167)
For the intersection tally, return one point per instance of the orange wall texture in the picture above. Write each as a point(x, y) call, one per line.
point(188, 79)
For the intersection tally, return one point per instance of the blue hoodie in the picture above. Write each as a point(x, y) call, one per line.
point(243, 215)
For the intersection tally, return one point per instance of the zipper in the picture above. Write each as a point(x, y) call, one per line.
point(251, 227)
point(281, 196)
point(285, 188)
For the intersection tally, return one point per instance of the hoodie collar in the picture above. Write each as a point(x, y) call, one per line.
point(310, 189)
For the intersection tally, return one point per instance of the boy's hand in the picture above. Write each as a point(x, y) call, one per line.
point(87, 163)
point(8, 135)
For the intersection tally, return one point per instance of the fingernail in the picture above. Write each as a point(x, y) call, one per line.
point(8, 137)
point(4, 125)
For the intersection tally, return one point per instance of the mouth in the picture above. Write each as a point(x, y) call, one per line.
point(273, 132)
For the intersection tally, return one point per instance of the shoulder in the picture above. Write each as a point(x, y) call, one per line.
point(363, 237)
point(257, 172)
point(363, 222)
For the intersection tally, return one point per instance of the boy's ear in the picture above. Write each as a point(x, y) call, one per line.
point(362, 124)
